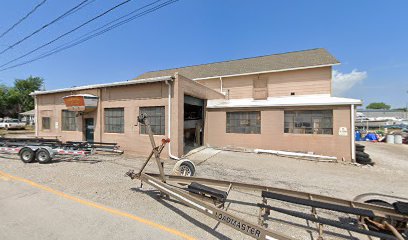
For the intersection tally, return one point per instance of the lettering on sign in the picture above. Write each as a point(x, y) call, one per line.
point(74, 101)
point(243, 227)
point(343, 131)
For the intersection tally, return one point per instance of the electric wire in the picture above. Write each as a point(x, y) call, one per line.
point(22, 19)
point(67, 13)
point(66, 33)
point(87, 36)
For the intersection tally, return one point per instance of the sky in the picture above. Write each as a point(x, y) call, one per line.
point(369, 38)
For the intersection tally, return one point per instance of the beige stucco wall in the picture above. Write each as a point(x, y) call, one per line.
point(272, 135)
point(301, 82)
point(131, 98)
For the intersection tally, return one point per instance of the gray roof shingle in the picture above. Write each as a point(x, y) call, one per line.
point(299, 59)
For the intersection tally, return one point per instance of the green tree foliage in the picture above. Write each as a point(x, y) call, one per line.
point(378, 105)
point(16, 99)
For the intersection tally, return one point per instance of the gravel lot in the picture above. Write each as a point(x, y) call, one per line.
point(101, 179)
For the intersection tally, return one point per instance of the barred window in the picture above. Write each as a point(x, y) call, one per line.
point(114, 120)
point(244, 122)
point(69, 122)
point(156, 118)
point(46, 123)
point(309, 122)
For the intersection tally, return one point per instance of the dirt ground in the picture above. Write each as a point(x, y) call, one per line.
point(101, 179)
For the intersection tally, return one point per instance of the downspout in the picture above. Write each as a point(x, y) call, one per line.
point(169, 119)
point(352, 133)
point(36, 115)
point(221, 85)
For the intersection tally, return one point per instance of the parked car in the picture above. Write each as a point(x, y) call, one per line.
point(12, 124)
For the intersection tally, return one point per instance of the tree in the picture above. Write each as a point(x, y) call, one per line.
point(16, 99)
point(378, 105)
point(3, 100)
point(24, 87)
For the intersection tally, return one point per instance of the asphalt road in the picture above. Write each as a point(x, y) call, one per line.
point(29, 212)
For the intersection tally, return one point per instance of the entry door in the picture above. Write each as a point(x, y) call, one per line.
point(89, 129)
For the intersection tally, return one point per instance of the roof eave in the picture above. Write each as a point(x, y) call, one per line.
point(104, 85)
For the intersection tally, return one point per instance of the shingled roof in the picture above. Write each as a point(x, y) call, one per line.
point(274, 62)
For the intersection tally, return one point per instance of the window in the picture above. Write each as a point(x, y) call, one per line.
point(68, 120)
point(309, 122)
point(46, 123)
point(156, 118)
point(244, 122)
point(114, 120)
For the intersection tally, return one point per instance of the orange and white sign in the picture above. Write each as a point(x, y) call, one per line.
point(81, 102)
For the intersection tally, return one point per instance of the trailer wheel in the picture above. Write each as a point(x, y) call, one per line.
point(43, 156)
point(27, 155)
point(184, 168)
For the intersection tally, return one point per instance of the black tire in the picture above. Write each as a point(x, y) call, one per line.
point(187, 169)
point(43, 156)
point(184, 168)
point(362, 155)
point(360, 147)
point(364, 161)
point(27, 155)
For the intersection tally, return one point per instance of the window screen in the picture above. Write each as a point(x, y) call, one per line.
point(244, 122)
point(309, 122)
point(156, 117)
point(46, 123)
point(114, 120)
point(69, 122)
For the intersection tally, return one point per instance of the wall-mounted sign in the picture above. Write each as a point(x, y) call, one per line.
point(343, 131)
point(81, 102)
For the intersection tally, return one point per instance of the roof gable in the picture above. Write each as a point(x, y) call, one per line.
point(275, 62)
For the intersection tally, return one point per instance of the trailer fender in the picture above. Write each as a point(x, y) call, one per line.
point(377, 199)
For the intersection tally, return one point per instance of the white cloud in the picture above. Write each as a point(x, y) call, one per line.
point(342, 82)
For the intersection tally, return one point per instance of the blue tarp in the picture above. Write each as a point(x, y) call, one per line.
point(371, 137)
point(358, 135)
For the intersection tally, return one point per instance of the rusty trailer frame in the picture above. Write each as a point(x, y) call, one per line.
point(205, 196)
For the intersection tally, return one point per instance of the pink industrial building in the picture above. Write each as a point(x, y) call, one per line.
point(273, 102)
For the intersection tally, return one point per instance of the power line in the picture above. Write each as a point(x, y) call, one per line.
point(23, 18)
point(67, 13)
point(85, 37)
point(69, 32)
point(61, 36)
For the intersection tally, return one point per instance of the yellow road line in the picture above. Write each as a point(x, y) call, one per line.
point(98, 206)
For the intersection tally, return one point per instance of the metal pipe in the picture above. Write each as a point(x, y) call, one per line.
point(169, 119)
point(352, 133)
point(36, 115)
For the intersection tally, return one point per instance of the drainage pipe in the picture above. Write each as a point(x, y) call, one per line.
point(352, 133)
point(169, 120)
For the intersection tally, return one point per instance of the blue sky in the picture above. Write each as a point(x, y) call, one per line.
point(370, 37)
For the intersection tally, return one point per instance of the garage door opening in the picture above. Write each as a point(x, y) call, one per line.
point(193, 123)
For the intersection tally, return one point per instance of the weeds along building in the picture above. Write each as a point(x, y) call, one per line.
point(276, 102)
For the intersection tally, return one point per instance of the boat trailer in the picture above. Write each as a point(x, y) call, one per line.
point(44, 150)
point(209, 196)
